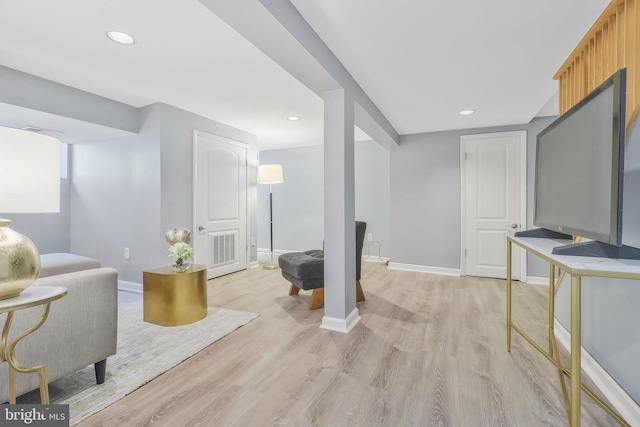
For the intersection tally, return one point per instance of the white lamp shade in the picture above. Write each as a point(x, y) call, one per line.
point(29, 172)
point(270, 174)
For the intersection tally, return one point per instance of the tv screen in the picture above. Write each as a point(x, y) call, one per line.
point(579, 166)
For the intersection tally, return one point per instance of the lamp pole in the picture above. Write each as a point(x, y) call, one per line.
point(270, 174)
point(271, 265)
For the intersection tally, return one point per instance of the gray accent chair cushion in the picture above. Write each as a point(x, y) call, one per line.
point(303, 269)
point(306, 269)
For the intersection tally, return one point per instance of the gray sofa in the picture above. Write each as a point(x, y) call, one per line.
point(81, 328)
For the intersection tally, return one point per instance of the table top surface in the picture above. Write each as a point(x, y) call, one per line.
point(193, 268)
point(579, 265)
point(31, 297)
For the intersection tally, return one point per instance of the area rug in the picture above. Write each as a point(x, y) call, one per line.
point(144, 352)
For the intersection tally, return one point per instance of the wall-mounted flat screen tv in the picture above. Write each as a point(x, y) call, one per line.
point(579, 166)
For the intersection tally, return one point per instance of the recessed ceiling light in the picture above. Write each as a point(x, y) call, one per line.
point(466, 112)
point(293, 118)
point(121, 38)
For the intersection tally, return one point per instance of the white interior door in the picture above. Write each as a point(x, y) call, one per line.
point(220, 204)
point(494, 201)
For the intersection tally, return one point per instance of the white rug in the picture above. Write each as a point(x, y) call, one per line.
point(144, 352)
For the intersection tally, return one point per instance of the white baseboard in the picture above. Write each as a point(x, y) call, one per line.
point(424, 269)
point(376, 258)
point(264, 255)
point(267, 251)
point(620, 400)
point(132, 287)
point(341, 325)
point(535, 280)
point(254, 264)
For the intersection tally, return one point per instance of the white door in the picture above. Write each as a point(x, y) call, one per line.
point(220, 204)
point(494, 201)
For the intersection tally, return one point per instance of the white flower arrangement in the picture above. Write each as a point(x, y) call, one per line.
point(181, 252)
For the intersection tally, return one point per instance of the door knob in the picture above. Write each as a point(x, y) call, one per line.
point(514, 225)
point(200, 228)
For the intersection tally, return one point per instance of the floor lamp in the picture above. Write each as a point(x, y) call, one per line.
point(270, 174)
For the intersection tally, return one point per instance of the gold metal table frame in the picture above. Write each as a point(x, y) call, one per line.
point(31, 297)
point(576, 267)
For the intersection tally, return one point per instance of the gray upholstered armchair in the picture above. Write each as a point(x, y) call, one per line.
point(305, 270)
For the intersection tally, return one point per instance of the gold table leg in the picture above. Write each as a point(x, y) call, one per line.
point(552, 294)
point(7, 354)
point(572, 405)
point(553, 344)
point(509, 295)
point(575, 350)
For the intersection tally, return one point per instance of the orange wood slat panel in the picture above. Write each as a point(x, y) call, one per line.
point(594, 60)
point(606, 49)
point(612, 42)
point(596, 27)
point(599, 64)
point(620, 37)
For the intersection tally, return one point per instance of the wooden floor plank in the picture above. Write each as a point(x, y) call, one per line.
point(430, 351)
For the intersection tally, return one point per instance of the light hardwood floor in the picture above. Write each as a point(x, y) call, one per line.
point(430, 351)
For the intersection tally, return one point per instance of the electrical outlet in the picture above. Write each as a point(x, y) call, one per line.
point(126, 253)
point(370, 237)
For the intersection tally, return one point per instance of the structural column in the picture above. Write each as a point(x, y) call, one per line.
point(340, 312)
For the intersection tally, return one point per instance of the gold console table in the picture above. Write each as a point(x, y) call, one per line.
point(173, 299)
point(576, 267)
point(30, 297)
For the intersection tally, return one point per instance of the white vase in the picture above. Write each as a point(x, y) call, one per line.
point(181, 268)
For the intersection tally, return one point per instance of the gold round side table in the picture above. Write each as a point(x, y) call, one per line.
point(173, 299)
point(30, 297)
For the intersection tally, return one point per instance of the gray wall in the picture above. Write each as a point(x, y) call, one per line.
point(610, 330)
point(425, 196)
point(298, 203)
point(410, 197)
point(115, 201)
point(128, 192)
point(610, 306)
point(123, 192)
point(28, 91)
point(49, 232)
point(372, 171)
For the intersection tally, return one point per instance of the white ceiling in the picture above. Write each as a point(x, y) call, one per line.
point(419, 61)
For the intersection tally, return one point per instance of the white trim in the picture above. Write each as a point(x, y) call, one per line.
point(536, 280)
point(276, 251)
point(376, 258)
point(619, 399)
point(463, 206)
point(523, 200)
point(341, 325)
point(254, 264)
point(133, 287)
point(463, 189)
point(424, 269)
point(266, 252)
